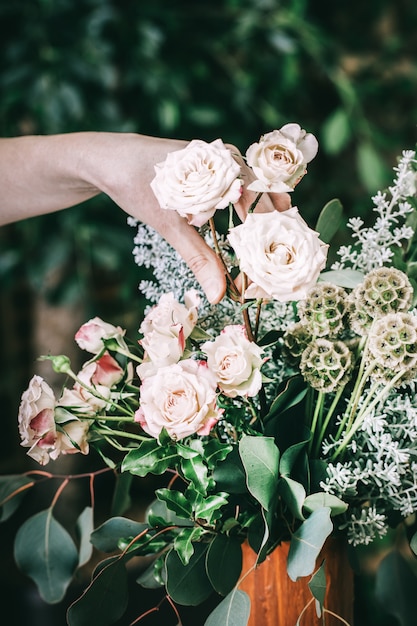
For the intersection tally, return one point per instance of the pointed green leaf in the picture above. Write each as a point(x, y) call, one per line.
point(105, 599)
point(329, 220)
point(291, 454)
point(371, 168)
point(12, 491)
point(234, 610)
point(336, 131)
point(158, 514)
point(188, 584)
point(290, 393)
point(183, 542)
point(208, 508)
point(230, 474)
point(224, 563)
point(107, 536)
point(215, 451)
point(176, 501)
point(121, 495)
point(45, 552)
point(85, 526)
point(307, 542)
point(149, 457)
point(195, 471)
point(260, 458)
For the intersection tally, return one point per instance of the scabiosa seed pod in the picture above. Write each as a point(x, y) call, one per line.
point(384, 290)
point(296, 338)
point(324, 309)
point(392, 343)
point(326, 365)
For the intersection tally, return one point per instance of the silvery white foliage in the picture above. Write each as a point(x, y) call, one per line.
point(373, 245)
point(379, 472)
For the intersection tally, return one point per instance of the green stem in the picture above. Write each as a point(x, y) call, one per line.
point(329, 416)
point(317, 412)
point(120, 433)
point(255, 202)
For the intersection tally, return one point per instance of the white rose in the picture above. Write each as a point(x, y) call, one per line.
point(279, 159)
point(91, 334)
point(180, 398)
point(197, 180)
point(235, 361)
point(279, 253)
point(72, 439)
point(165, 329)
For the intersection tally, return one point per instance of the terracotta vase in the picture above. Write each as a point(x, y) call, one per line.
point(278, 601)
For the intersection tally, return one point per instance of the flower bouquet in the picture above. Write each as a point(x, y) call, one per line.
point(285, 413)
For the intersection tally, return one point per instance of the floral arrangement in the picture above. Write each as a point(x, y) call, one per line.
point(287, 411)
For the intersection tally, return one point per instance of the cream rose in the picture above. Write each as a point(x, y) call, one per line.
point(197, 180)
point(36, 420)
point(280, 157)
point(91, 334)
point(165, 329)
point(180, 398)
point(279, 253)
point(235, 362)
point(72, 439)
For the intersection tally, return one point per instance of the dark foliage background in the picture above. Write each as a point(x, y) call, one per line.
point(235, 69)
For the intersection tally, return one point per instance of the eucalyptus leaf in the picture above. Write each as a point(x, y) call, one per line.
point(230, 474)
point(121, 496)
point(12, 491)
point(107, 536)
point(371, 168)
point(85, 526)
point(307, 542)
point(260, 458)
point(233, 610)
point(329, 220)
point(322, 499)
point(224, 563)
point(293, 494)
point(290, 456)
point(290, 393)
point(317, 585)
point(45, 552)
point(105, 599)
point(395, 588)
point(188, 584)
point(336, 131)
point(346, 278)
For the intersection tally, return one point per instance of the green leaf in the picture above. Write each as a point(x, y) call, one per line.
point(195, 471)
point(230, 474)
point(148, 458)
point(371, 168)
point(121, 495)
point(260, 458)
point(336, 131)
point(317, 585)
point(234, 610)
point(215, 452)
point(188, 584)
point(208, 508)
point(395, 588)
point(343, 278)
point(105, 599)
point(307, 542)
point(413, 543)
point(292, 453)
point(291, 392)
point(183, 542)
point(13, 489)
point(176, 501)
point(293, 493)
point(329, 220)
point(224, 563)
point(85, 526)
point(322, 499)
point(107, 536)
point(45, 552)
point(158, 514)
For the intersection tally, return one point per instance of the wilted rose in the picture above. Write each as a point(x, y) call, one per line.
point(180, 398)
point(197, 180)
point(36, 420)
point(91, 334)
point(279, 253)
point(235, 362)
point(280, 157)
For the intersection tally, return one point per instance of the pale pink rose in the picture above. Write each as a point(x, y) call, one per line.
point(166, 328)
point(280, 158)
point(197, 180)
point(106, 372)
point(279, 253)
point(235, 361)
point(180, 398)
point(91, 334)
point(73, 439)
point(36, 420)
point(82, 402)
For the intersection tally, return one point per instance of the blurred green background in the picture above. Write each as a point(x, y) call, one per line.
point(345, 71)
